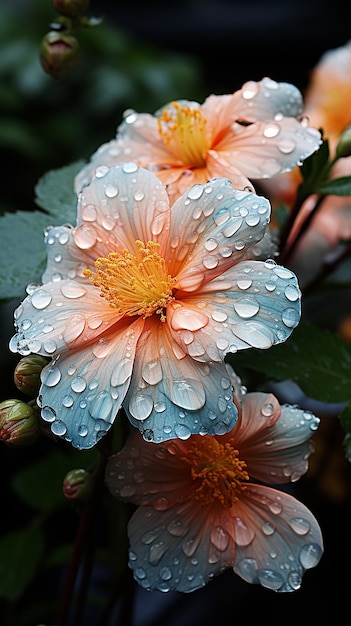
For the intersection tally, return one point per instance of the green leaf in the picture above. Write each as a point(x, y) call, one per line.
point(55, 193)
point(314, 165)
point(22, 253)
point(20, 553)
point(337, 187)
point(317, 360)
point(40, 484)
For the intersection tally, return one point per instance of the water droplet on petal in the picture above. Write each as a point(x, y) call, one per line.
point(129, 167)
point(51, 376)
point(300, 526)
point(310, 555)
point(41, 299)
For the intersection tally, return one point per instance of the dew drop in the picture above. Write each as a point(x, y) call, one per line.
point(140, 406)
point(83, 430)
point(292, 293)
point(78, 384)
point(182, 431)
point(59, 428)
point(111, 191)
point(129, 167)
point(41, 299)
point(290, 317)
point(310, 555)
point(51, 376)
point(299, 525)
point(139, 195)
point(246, 307)
point(101, 171)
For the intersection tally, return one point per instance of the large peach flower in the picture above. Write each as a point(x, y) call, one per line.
point(141, 302)
point(253, 133)
point(204, 505)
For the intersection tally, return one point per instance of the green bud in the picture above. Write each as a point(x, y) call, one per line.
point(78, 485)
point(19, 423)
point(343, 149)
point(58, 53)
point(71, 8)
point(27, 374)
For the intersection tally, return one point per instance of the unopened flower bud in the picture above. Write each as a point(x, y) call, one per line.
point(343, 149)
point(27, 374)
point(71, 8)
point(58, 53)
point(19, 423)
point(78, 485)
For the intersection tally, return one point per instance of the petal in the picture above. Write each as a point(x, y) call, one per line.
point(277, 539)
point(82, 390)
point(254, 304)
point(146, 473)
point(255, 101)
point(121, 205)
point(180, 549)
point(274, 443)
point(137, 140)
point(267, 99)
point(172, 396)
point(64, 259)
point(267, 148)
point(60, 315)
point(212, 227)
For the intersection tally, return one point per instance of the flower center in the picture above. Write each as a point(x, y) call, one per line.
point(134, 284)
point(217, 471)
point(183, 129)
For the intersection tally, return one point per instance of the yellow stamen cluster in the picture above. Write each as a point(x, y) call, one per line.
point(134, 284)
point(183, 129)
point(217, 471)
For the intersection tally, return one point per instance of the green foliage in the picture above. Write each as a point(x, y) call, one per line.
point(337, 186)
point(24, 231)
point(20, 554)
point(40, 484)
point(317, 360)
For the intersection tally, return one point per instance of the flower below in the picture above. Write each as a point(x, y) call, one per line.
point(200, 511)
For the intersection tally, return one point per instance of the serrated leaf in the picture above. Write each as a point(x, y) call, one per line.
point(317, 360)
point(20, 553)
point(337, 187)
point(40, 484)
point(22, 253)
point(315, 164)
point(55, 193)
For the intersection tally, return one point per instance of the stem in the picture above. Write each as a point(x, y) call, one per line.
point(82, 543)
point(287, 249)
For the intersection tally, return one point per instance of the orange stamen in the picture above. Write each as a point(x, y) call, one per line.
point(134, 284)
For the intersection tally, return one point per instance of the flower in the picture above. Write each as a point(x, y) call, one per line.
point(253, 133)
point(141, 302)
point(200, 511)
point(328, 91)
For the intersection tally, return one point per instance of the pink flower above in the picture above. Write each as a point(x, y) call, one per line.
point(200, 512)
point(253, 133)
point(141, 302)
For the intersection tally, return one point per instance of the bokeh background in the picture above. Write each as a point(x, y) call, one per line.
point(141, 56)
